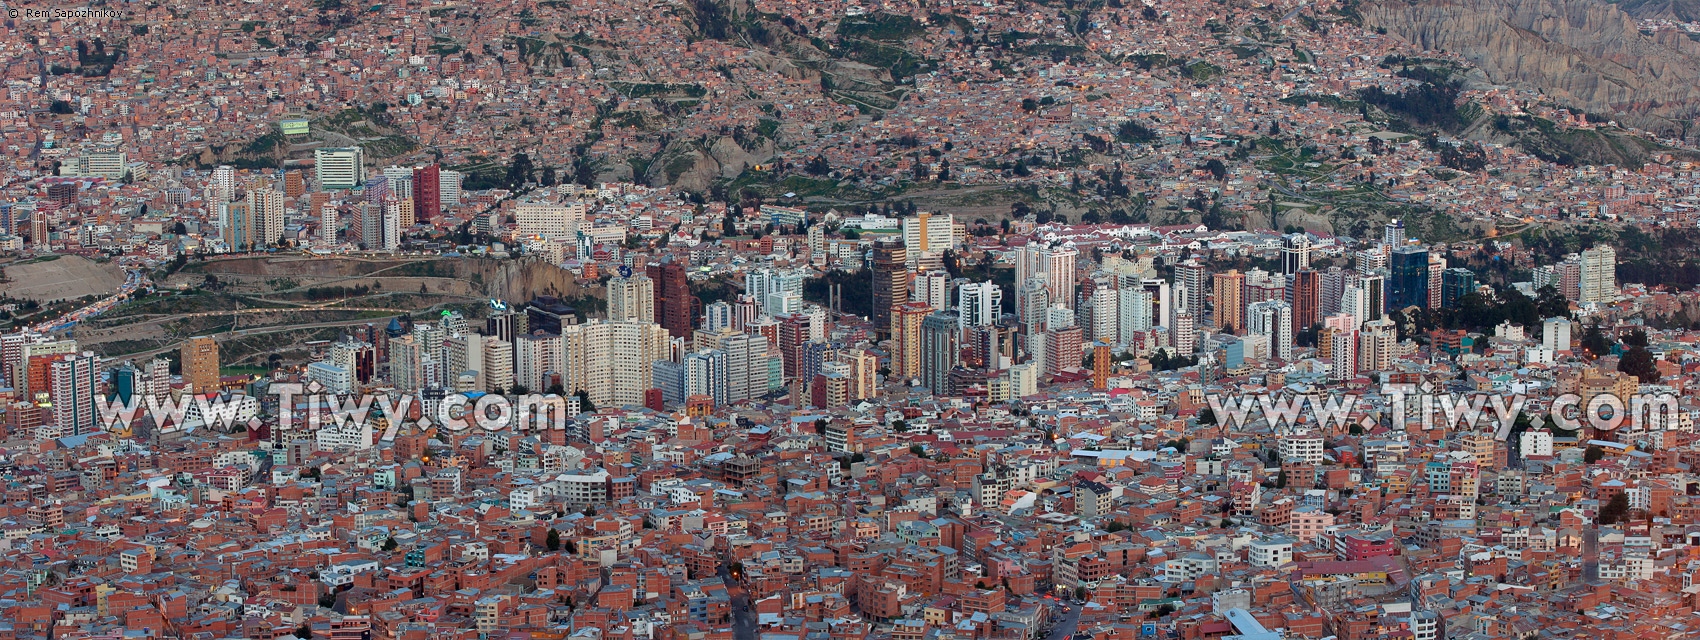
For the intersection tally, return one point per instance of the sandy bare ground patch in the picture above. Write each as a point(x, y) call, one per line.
point(60, 278)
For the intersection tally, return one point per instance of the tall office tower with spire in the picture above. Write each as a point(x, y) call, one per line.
point(631, 299)
point(890, 283)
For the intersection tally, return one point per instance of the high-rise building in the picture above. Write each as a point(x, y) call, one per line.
point(1407, 284)
point(293, 185)
point(75, 381)
point(890, 284)
point(1059, 264)
point(932, 288)
point(1134, 311)
point(537, 358)
point(863, 372)
point(1342, 352)
point(239, 229)
point(465, 354)
point(1331, 288)
point(1436, 278)
point(747, 361)
point(548, 219)
point(927, 233)
point(1101, 364)
point(327, 225)
point(939, 349)
point(1598, 281)
point(611, 361)
point(1295, 253)
point(906, 322)
point(1191, 274)
point(675, 307)
point(427, 193)
point(1103, 312)
point(1371, 260)
point(199, 358)
point(1393, 235)
point(393, 226)
point(1375, 345)
point(1229, 309)
point(448, 188)
point(499, 364)
point(1306, 298)
point(1555, 334)
point(339, 168)
point(223, 184)
point(1062, 350)
point(1456, 283)
point(1032, 302)
point(268, 214)
point(979, 303)
point(631, 299)
point(1274, 320)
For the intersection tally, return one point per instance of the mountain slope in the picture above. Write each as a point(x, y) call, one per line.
point(1583, 53)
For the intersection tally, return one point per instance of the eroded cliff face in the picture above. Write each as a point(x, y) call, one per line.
point(1584, 53)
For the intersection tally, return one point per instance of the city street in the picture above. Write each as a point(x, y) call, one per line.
point(1066, 623)
point(743, 622)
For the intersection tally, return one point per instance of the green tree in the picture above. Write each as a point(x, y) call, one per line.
point(1616, 509)
point(1595, 341)
point(390, 544)
point(1639, 362)
point(553, 541)
point(1593, 454)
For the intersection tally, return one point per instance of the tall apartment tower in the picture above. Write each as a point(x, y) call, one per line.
point(199, 357)
point(631, 299)
point(1598, 282)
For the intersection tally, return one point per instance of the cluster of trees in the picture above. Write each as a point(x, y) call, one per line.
point(1134, 133)
point(1473, 312)
point(1427, 105)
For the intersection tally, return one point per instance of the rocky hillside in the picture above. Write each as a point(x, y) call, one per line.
point(1583, 53)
